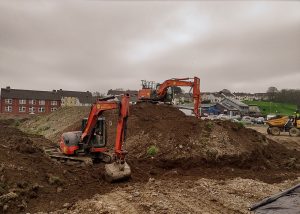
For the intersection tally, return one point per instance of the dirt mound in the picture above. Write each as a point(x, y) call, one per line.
point(166, 135)
point(31, 182)
point(53, 125)
point(173, 139)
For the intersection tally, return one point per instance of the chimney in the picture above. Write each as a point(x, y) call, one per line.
point(7, 87)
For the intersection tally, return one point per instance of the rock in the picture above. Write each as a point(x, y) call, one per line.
point(67, 205)
point(35, 187)
point(180, 146)
point(59, 189)
point(5, 208)
point(154, 194)
point(151, 180)
point(135, 194)
point(52, 179)
point(7, 197)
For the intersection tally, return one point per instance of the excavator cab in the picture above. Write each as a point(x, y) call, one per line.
point(99, 137)
point(70, 143)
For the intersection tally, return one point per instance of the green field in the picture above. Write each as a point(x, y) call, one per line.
point(267, 107)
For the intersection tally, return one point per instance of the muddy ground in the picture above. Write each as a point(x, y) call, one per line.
point(199, 167)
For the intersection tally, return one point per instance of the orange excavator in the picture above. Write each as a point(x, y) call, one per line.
point(91, 141)
point(159, 92)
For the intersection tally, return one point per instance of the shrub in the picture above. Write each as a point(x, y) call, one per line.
point(240, 125)
point(209, 125)
point(152, 150)
point(17, 123)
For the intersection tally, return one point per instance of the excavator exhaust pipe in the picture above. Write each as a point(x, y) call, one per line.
point(117, 171)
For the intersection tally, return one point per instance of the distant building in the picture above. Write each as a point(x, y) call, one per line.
point(250, 97)
point(211, 97)
point(233, 104)
point(19, 101)
point(261, 96)
point(254, 111)
point(75, 98)
point(226, 108)
point(209, 109)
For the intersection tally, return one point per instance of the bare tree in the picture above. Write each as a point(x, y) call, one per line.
point(271, 92)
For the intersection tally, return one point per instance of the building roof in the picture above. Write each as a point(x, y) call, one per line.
point(84, 97)
point(131, 93)
point(207, 105)
point(242, 94)
point(239, 103)
point(228, 107)
point(28, 94)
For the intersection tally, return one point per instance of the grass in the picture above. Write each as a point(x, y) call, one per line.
point(152, 151)
point(267, 107)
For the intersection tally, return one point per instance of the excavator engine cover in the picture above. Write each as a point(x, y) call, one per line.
point(117, 171)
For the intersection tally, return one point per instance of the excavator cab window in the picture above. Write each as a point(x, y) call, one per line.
point(99, 132)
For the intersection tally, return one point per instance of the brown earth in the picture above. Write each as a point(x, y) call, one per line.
point(192, 156)
point(184, 141)
point(31, 182)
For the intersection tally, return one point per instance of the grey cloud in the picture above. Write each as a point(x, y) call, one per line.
point(93, 45)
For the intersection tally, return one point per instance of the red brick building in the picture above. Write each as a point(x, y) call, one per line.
point(18, 101)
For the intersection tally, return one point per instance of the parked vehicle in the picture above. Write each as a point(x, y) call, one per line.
point(223, 117)
point(247, 120)
point(259, 120)
point(212, 117)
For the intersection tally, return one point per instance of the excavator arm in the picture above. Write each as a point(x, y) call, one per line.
point(97, 110)
point(163, 88)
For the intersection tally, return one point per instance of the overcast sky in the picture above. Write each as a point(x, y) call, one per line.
point(98, 45)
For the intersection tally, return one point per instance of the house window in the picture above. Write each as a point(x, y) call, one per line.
point(22, 101)
point(41, 102)
point(8, 101)
point(31, 109)
point(22, 109)
point(31, 102)
point(53, 109)
point(54, 103)
point(8, 108)
point(41, 109)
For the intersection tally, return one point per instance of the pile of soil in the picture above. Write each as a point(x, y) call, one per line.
point(53, 125)
point(31, 182)
point(171, 139)
point(162, 143)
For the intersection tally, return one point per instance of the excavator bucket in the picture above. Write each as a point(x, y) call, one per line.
point(117, 171)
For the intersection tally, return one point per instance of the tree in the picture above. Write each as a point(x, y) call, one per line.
point(98, 94)
point(226, 91)
point(177, 90)
point(271, 92)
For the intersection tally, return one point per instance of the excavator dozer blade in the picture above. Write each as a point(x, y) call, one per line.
point(117, 171)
